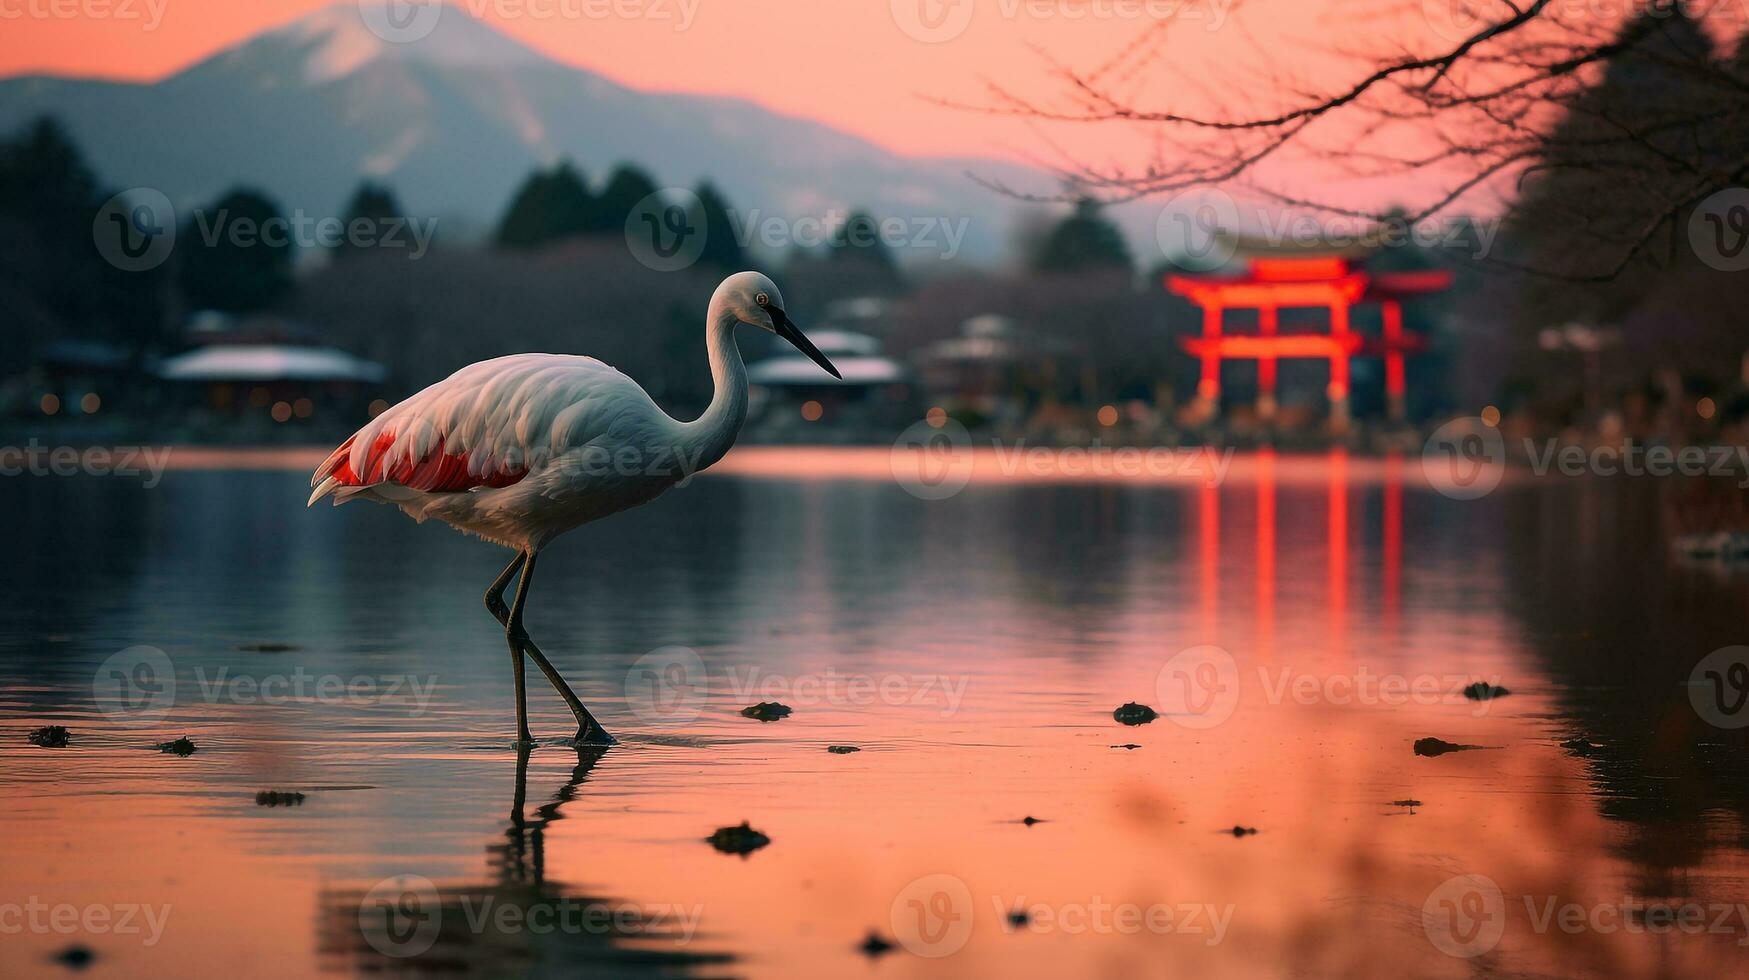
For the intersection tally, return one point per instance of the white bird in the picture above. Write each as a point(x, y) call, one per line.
point(520, 449)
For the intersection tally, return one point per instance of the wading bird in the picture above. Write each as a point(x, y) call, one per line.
point(520, 449)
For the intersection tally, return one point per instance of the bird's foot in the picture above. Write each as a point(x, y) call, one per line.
point(594, 735)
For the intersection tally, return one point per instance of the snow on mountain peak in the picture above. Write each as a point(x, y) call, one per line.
point(338, 40)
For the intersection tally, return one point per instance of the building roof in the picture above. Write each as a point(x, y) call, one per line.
point(856, 355)
point(846, 342)
point(268, 362)
point(786, 371)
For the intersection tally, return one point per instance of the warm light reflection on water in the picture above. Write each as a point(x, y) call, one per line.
point(972, 647)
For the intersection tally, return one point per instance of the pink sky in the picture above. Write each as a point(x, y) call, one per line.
point(849, 63)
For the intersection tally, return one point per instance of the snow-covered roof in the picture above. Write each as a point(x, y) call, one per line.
point(268, 362)
point(797, 370)
point(847, 342)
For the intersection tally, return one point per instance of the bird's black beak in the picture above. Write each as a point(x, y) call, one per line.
point(790, 332)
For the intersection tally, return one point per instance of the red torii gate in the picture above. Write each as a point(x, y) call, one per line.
point(1332, 282)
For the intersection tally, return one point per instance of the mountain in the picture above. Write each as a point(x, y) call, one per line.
point(455, 121)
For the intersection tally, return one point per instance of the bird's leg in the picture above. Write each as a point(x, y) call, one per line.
point(517, 636)
point(589, 731)
point(495, 595)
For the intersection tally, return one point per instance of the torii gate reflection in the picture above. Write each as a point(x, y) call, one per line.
point(1340, 487)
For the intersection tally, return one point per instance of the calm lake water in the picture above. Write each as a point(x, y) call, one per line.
point(1300, 625)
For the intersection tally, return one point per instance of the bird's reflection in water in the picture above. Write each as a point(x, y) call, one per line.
point(516, 924)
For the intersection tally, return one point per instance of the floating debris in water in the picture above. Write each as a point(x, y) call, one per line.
point(766, 711)
point(1582, 748)
point(1239, 831)
point(182, 747)
point(50, 737)
point(874, 946)
point(1484, 691)
point(76, 957)
point(1135, 714)
point(1408, 803)
point(1019, 919)
point(742, 840)
point(1127, 745)
point(842, 749)
point(273, 797)
point(1029, 820)
point(266, 647)
point(1434, 746)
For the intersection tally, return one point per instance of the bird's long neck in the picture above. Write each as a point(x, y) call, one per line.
point(711, 434)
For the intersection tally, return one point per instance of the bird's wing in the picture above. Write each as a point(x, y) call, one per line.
point(487, 425)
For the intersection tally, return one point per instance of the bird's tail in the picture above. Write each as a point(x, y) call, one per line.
point(323, 489)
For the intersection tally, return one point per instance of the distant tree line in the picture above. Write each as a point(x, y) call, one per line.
point(53, 282)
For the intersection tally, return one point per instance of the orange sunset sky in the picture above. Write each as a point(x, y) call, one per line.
point(850, 63)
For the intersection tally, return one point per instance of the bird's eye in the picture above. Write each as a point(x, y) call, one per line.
point(762, 299)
